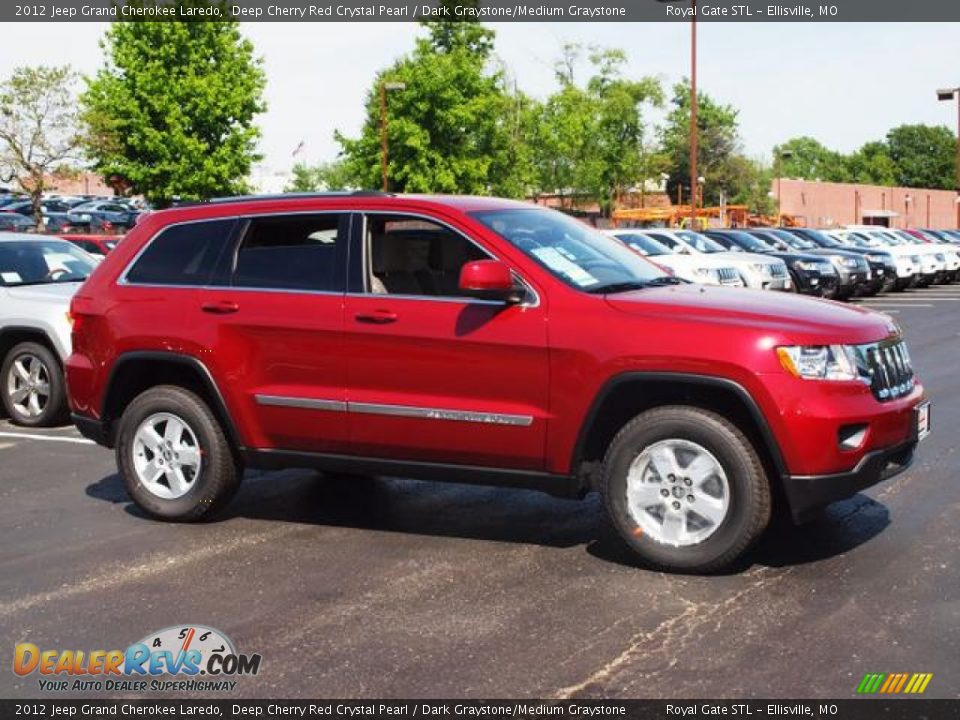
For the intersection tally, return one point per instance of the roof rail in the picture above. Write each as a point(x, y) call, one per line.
point(283, 196)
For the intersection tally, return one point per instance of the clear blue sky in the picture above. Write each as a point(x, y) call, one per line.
point(841, 83)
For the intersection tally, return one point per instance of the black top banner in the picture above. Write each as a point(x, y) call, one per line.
point(487, 11)
point(483, 709)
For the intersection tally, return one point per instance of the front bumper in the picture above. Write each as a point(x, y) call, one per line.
point(812, 282)
point(807, 494)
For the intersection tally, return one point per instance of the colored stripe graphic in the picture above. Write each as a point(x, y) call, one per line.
point(894, 683)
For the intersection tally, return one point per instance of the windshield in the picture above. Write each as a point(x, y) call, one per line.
point(891, 239)
point(820, 238)
point(575, 253)
point(38, 262)
point(643, 244)
point(748, 241)
point(700, 243)
point(797, 243)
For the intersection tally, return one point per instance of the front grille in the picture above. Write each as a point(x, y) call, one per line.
point(779, 270)
point(727, 275)
point(886, 367)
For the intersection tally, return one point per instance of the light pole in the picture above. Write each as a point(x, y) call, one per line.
point(384, 87)
point(781, 156)
point(946, 96)
point(694, 130)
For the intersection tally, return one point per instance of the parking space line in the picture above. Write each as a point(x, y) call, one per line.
point(896, 305)
point(51, 438)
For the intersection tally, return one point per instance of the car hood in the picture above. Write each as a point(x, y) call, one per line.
point(50, 293)
point(737, 258)
point(798, 319)
point(691, 262)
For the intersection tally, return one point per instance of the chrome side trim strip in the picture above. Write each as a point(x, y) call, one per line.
point(298, 402)
point(424, 413)
point(441, 414)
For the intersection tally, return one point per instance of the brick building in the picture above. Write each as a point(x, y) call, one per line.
point(827, 204)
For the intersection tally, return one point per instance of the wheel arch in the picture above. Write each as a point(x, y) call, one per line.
point(627, 395)
point(13, 335)
point(135, 372)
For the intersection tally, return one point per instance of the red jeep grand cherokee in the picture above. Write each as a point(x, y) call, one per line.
point(478, 340)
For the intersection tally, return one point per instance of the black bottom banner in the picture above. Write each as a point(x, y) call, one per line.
point(904, 709)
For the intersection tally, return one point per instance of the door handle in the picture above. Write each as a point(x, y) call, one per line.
point(377, 317)
point(220, 307)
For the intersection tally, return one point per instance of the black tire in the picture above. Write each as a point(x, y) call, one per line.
point(749, 508)
point(219, 475)
point(55, 410)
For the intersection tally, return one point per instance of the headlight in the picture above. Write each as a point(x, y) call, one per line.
point(819, 362)
point(704, 272)
point(808, 266)
point(848, 261)
point(758, 267)
point(915, 259)
point(826, 269)
point(877, 258)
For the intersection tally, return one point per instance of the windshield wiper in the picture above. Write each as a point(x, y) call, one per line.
point(617, 287)
point(629, 285)
point(666, 280)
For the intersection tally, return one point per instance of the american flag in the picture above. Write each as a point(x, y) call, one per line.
point(297, 150)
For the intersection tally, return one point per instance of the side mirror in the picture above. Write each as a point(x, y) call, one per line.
point(491, 280)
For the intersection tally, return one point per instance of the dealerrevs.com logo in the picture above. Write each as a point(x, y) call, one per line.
point(181, 658)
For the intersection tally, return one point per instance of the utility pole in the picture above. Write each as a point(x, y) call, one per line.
point(946, 96)
point(384, 87)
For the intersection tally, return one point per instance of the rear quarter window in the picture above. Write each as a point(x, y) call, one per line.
point(184, 254)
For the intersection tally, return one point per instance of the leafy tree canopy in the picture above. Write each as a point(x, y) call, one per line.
point(718, 142)
point(172, 112)
point(39, 127)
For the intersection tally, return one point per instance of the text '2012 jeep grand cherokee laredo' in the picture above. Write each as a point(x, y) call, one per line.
point(478, 340)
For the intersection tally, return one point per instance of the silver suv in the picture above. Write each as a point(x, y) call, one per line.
point(38, 276)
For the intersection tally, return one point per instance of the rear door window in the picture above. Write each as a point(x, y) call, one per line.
point(185, 254)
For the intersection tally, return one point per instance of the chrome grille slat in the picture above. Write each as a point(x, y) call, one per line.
point(886, 368)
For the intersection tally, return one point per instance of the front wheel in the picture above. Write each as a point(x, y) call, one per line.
point(175, 461)
point(32, 387)
point(685, 489)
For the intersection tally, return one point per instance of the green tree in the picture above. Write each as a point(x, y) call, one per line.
point(590, 140)
point(872, 165)
point(718, 141)
point(172, 112)
point(324, 176)
point(746, 181)
point(453, 126)
point(39, 127)
point(925, 156)
point(809, 159)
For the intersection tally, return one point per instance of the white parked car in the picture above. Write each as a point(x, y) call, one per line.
point(760, 272)
point(930, 267)
point(932, 245)
point(908, 265)
point(38, 277)
point(703, 269)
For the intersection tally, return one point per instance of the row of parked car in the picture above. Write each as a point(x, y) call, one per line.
point(69, 214)
point(831, 263)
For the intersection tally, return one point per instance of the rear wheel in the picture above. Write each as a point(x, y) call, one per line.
point(685, 489)
point(175, 461)
point(32, 386)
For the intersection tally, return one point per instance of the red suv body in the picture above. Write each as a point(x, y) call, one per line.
point(478, 340)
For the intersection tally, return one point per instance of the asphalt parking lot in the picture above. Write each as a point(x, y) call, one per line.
point(357, 587)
